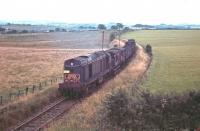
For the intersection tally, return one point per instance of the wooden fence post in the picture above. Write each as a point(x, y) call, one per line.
point(40, 86)
point(18, 93)
point(26, 90)
point(33, 88)
point(1, 100)
point(10, 96)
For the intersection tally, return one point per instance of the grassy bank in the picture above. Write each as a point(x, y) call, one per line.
point(176, 59)
point(17, 111)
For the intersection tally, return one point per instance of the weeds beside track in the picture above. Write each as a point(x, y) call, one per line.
point(43, 118)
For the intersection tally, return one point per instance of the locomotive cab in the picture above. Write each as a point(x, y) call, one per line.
point(72, 73)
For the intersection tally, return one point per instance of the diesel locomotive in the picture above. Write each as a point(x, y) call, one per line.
point(83, 72)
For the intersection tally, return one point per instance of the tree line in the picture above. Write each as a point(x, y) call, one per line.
point(117, 26)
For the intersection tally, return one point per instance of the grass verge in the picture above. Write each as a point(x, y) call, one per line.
point(17, 111)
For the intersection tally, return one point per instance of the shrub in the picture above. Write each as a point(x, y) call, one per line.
point(57, 29)
point(12, 32)
point(136, 109)
point(24, 31)
point(149, 49)
point(121, 111)
point(2, 29)
point(51, 30)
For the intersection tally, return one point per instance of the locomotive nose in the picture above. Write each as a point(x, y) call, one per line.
point(72, 77)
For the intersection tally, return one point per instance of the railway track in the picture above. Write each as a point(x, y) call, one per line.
point(42, 119)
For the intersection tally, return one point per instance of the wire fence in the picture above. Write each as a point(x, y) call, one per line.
point(24, 91)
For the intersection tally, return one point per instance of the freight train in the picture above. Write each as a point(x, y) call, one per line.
point(85, 72)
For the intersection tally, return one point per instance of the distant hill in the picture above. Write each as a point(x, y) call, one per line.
point(145, 26)
point(165, 26)
point(42, 26)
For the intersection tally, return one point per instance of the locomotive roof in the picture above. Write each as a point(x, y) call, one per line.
point(75, 62)
point(131, 40)
point(80, 60)
point(118, 48)
point(114, 50)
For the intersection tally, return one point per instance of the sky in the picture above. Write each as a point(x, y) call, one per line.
point(103, 11)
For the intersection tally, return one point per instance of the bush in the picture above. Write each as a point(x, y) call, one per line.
point(12, 32)
point(64, 30)
point(24, 31)
point(149, 49)
point(2, 29)
point(136, 109)
point(51, 30)
point(116, 107)
point(121, 111)
point(57, 29)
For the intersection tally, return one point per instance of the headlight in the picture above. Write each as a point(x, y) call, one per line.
point(66, 71)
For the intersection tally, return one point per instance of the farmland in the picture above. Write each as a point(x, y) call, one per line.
point(69, 40)
point(26, 59)
point(176, 59)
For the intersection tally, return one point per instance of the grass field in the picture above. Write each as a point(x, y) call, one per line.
point(176, 59)
point(21, 67)
point(69, 40)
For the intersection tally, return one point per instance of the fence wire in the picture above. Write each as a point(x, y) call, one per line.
point(24, 91)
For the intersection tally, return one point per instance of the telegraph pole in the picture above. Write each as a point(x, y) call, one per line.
point(119, 37)
point(102, 39)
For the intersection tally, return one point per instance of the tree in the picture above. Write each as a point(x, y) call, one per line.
point(51, 31)
point(24, 31)
point(12, 32)
point(2, 29)
point(120, 26)
point(101, 27)
point(64, 30)
point(126, 29)
point(57, 29)
point(114, 27)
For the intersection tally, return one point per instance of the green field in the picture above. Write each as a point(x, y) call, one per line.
point(176, 59)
